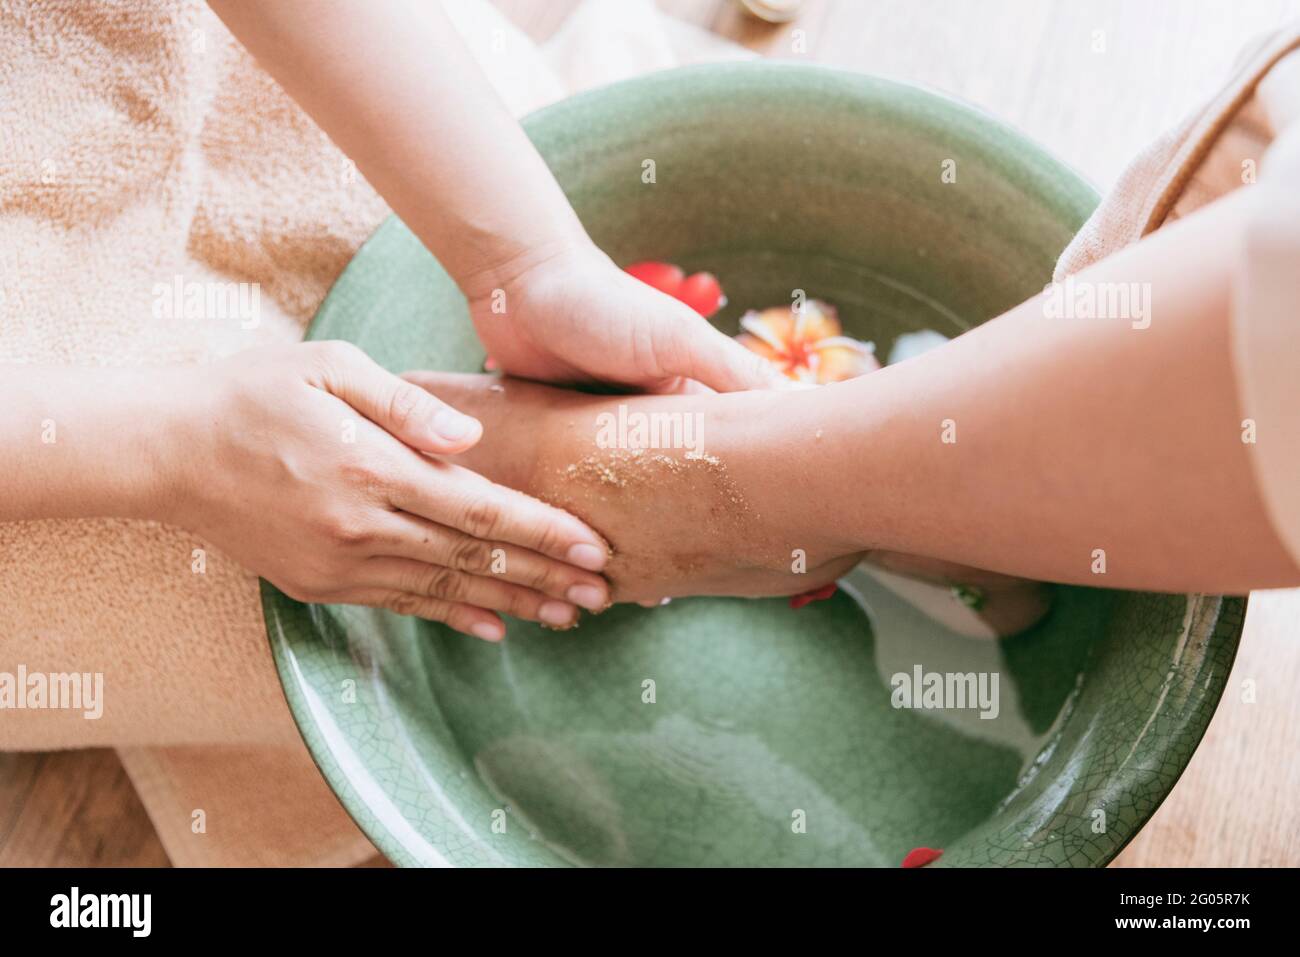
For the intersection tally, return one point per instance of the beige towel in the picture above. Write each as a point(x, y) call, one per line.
point(1206, 156)
point(139, 143)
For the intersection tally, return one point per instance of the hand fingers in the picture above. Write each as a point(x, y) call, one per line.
point(468, 620)
point(677, 385)
point(408, 412)
point(456, 497)
point(406, 576)
point(409, 536)
point(688, 346)
point(431, 381)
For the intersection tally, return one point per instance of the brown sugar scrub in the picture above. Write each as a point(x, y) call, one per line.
point(680, 520)
point(704, 520)
point(656, 491)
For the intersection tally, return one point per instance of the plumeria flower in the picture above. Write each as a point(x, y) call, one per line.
point(807, 343)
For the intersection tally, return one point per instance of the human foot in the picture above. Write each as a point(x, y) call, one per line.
point(976, 603)
point(676, 484)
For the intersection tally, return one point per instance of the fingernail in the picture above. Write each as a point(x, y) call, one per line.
point(452, 426)
point(588, 596)
point(590, 557)
point(488, 630)
point(557, 613)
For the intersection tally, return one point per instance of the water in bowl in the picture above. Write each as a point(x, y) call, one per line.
point(770, 739)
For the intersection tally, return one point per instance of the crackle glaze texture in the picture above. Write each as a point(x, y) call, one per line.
point(771, 738)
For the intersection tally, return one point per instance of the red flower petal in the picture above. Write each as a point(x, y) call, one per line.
point(702, 292)
point(663, 276)
point(817, 594)
point(920, 856)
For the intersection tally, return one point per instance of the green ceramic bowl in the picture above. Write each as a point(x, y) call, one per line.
point(770, 738)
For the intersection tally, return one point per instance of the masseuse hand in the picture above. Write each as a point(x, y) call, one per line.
point(396, 89)
point(573, 316)
point(304, 463)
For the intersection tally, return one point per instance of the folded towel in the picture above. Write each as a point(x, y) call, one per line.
point(1201, 158)
point(141, 147)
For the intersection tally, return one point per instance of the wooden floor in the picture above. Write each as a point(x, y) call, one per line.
point(73, 808)
point(1094, 81)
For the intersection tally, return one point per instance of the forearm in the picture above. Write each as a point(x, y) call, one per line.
point(84, 443)
point(394, 86)
point(1066, 436)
